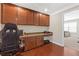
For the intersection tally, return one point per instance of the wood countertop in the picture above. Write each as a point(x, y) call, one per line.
point(37, 34)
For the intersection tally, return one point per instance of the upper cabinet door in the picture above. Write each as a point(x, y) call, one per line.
point(36, 18)
point(0, 13)
point(30, 20)
point(9, 13)
point(44, 20)
point(13, 14)
point(22, 16)
point(46, 17)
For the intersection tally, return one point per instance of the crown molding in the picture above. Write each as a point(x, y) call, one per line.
point(64, 9)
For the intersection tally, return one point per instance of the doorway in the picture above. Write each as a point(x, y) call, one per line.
point(71, 29)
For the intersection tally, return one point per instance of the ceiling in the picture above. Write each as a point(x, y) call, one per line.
point(51, 7)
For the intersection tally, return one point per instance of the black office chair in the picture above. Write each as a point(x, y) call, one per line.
point(10, 40)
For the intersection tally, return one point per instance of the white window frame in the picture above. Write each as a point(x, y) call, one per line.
point(70, 27)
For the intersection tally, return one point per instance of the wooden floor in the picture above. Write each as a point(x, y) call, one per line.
point(50, 50)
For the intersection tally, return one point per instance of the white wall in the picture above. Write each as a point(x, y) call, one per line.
point(56, 26)
point(31, 29)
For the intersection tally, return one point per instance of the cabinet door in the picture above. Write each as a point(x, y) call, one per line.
point(0, 13)
point(29, 43)
point(39, 40)
point(9, 13)
point(44, 20)
point(33, 42)
point(36, 18)
point(30, 17)
point(22, 16)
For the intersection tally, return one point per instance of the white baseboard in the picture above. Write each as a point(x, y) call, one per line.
point(58, 44)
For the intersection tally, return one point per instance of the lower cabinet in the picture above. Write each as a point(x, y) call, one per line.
point(39, 40)
point(33, 42)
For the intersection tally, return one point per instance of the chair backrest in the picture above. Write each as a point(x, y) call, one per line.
point(10, 38)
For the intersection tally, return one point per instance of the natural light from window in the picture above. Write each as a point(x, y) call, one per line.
point(70, 21)
point(70, 26)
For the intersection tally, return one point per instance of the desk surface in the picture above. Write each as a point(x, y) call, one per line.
point(37, 34)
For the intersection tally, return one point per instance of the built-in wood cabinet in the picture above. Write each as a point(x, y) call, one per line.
point(0, 13)
point(41, 19)
point(33, 42)
point(36, 18)
point(39, 40)
point(9, 13)
point(44, 20)
point(47, 20)
point(29, 43)
point(30, 17)
point(22, 16)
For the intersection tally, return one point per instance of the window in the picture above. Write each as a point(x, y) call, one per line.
point(70, 26)
point(71, 20)
point(66, 27)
